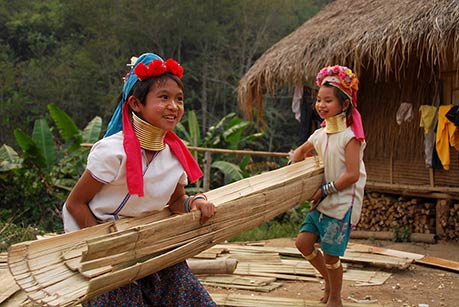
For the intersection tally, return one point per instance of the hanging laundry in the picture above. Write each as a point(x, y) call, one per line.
point(297, 99)
point(446, 136)
point(453, 115)
point(310, 120)
point(428, 117)
point(404, 113)
point(428, 122)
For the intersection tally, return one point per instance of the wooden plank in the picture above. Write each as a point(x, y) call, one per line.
point(418, 258)
point(439, 263)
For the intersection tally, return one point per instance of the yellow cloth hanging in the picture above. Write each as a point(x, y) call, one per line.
point(446, 136)
point(428, 114)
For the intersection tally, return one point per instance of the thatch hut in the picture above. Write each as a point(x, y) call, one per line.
point(404, 51)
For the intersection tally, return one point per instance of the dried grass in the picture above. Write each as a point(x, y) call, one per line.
point(384, 37)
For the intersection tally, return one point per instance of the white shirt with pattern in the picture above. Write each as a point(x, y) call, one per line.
point(107, 164)
point(331, 150)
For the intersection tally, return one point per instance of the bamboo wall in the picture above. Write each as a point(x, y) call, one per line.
point(395, 153)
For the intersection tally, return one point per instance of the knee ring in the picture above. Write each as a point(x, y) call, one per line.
point(333, 266)
point(312, 255)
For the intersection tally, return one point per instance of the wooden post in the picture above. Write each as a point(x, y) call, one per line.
point(207, 164)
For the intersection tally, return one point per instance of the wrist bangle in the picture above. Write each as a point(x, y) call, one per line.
point(197, 196)
point(328, 188)
point(187, 204)
point(322, 188)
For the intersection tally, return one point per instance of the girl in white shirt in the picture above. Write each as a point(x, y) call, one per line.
point(141, 166)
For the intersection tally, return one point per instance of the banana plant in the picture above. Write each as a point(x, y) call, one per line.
point(47, 167)
point(9, 158)
point(228, 133)
point(42, 149)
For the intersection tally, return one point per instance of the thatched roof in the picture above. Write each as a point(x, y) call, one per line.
point(383, 35)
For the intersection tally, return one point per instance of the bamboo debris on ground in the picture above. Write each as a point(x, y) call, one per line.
point(233, 300)
point(417, 258)
point(360, 254)
point(66, 269)
point(285, 263)
point(259, 284)
point(215, 266)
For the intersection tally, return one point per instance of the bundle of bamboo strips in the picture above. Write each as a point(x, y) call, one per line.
point(71, 268)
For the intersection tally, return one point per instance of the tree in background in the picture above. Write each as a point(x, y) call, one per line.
point(74, 53)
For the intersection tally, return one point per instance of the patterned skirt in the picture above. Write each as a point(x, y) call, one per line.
point(172, 286)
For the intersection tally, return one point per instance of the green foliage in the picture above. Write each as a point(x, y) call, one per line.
point(402, 234)
point(285, 225)
point(266, 231)
point(231, 132)
point(30, 149)
point(47, 168)
point(74, 53)
point(231, 170)
point(67, 127)
point(9, 159)
point(11, 232)
point(91, 132)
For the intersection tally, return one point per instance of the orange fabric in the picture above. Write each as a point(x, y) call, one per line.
point(446, 136)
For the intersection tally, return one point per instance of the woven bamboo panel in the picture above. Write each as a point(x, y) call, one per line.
point(378, 170)
point(68, 269)
point(410, 172)
point(451, 177)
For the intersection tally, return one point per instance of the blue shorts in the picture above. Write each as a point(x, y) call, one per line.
point(333, 233)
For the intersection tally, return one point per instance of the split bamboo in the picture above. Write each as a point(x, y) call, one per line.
point(68, 269)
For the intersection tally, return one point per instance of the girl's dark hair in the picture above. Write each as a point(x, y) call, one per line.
point(342, 99)
point(141, 88)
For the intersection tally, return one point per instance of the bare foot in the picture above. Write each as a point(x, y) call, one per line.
point(337, 303)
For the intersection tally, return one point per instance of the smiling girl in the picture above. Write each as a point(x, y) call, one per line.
point(139, 167)
point(336, 205)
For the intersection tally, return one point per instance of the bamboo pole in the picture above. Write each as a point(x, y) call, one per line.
point(217, 266)
point(240, 152)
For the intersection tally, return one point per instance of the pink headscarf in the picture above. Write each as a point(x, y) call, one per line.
point(345, 80)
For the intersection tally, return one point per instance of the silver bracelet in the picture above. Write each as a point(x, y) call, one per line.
point(187, 204)
point(328, 188)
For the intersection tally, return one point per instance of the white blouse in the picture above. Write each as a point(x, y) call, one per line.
point(107, 164)
point(331, 150)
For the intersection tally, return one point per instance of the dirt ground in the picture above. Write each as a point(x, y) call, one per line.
point(419, 284)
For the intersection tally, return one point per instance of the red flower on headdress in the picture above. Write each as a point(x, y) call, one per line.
point(156, 68)
point(174, 68)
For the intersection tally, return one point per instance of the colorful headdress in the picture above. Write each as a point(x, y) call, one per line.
point(346, 81)
point(148, 65)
